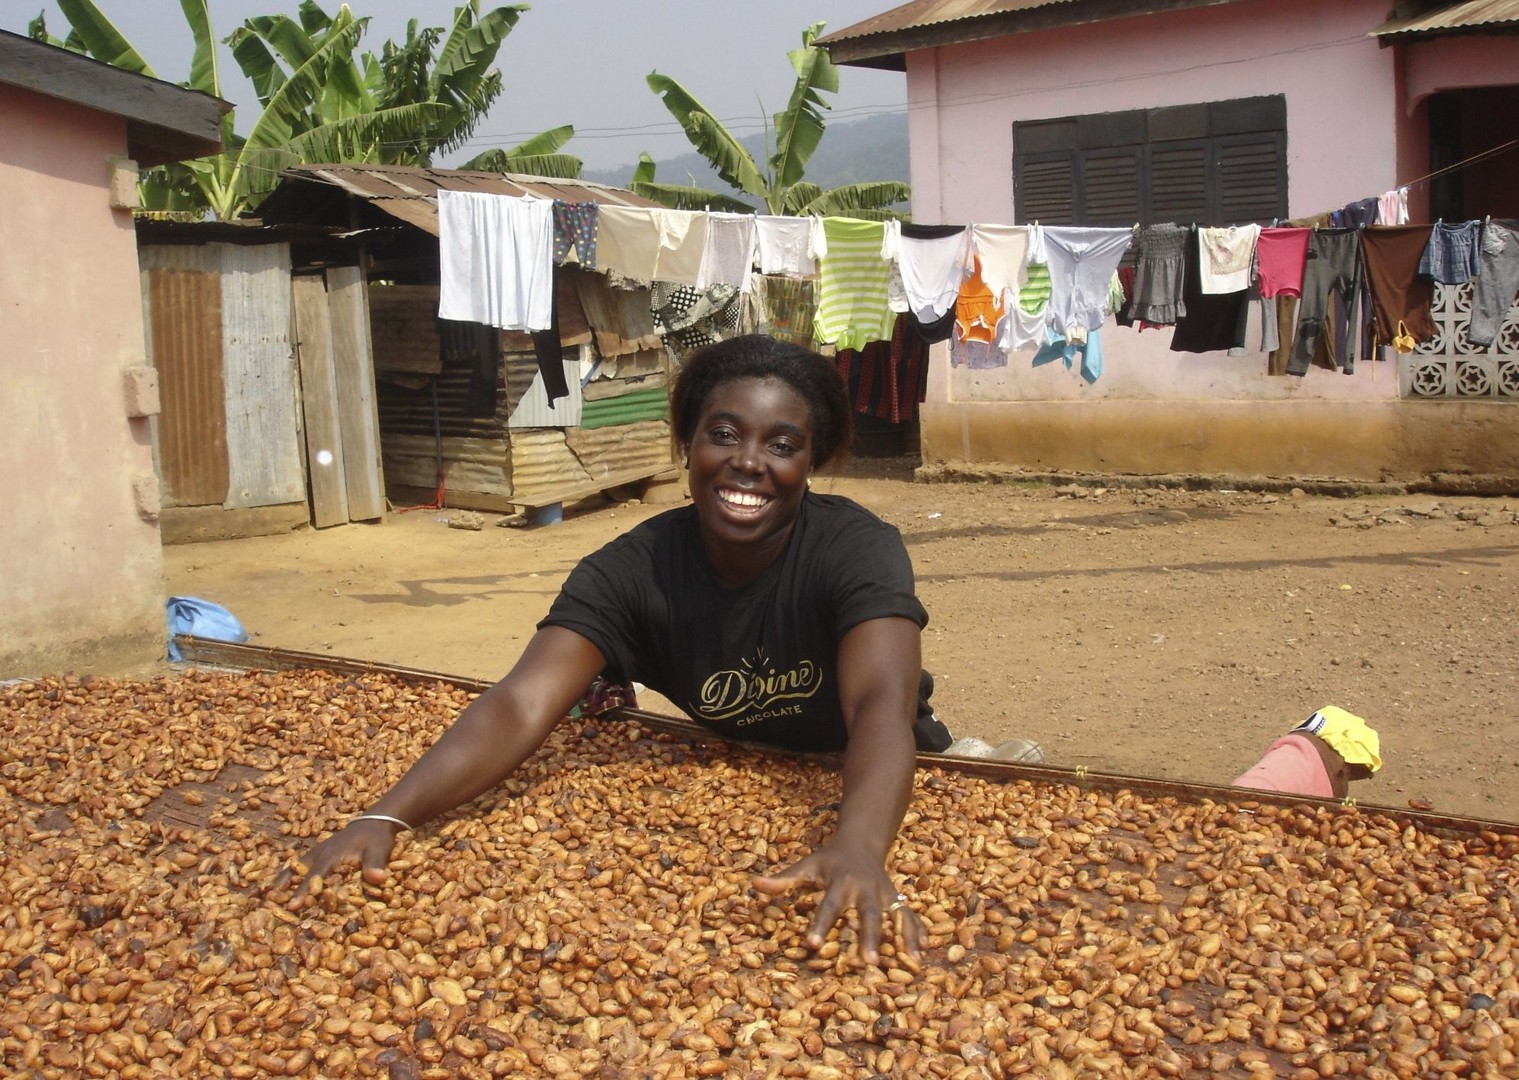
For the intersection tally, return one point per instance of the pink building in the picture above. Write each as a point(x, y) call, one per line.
point(82, 586)
point(1079, 111)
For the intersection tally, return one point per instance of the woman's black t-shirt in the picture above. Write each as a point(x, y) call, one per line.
point(758, 662)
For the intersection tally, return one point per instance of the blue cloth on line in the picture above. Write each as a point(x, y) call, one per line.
point(1088, 354)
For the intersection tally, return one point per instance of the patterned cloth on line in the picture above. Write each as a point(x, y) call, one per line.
point(888, 379)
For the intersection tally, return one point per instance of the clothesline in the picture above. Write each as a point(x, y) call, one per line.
point(1011, 287)
point(1464, 162)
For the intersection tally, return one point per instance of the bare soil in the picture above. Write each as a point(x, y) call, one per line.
point(1145, 631)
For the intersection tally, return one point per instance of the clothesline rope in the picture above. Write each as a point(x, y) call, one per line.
point(1463, 163)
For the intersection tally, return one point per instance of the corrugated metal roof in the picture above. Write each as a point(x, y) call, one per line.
point(884, 40)
point(410, 193)
point(921, 13)
point(1467, 16)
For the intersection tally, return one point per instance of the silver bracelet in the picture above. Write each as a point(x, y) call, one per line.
point(385, 817)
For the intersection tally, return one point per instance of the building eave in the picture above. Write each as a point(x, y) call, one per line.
point(164, 122)
point(885, 40)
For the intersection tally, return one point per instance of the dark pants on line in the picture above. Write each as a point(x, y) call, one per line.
point(1334, 265)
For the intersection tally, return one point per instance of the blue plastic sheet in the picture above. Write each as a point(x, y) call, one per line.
point(201, 618)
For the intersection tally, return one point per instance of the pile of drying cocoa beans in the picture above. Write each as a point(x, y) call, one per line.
point(593, 916)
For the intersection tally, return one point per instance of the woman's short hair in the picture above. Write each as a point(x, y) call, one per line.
point(755, 356)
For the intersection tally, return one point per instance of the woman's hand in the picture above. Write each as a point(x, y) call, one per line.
point(491, 737)
point(850, 879)
point(879, 664)
point(364, 844)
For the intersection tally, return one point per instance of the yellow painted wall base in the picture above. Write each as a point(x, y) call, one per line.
point(1382, 441)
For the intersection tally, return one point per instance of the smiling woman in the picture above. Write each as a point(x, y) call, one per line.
point(769, 612)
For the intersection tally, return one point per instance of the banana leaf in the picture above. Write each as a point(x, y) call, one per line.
point(688, 197)
point(549, 166)
point(713, 141)
point(101, 39)
point(799, 129)
point(256, 62)
point(471, 48)
point(545, 142)
point(872, 201)
point(204, 71)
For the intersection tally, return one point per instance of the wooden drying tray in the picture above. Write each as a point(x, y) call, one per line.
point(258, 658)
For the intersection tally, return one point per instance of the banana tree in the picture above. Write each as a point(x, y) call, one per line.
point(316, 111)
point(319, 102)
point(461, 76)
point(681, 196)
point(538, 156)
point(454, 88)
point(777, 184)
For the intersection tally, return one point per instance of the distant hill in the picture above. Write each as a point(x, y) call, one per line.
point(851, 152)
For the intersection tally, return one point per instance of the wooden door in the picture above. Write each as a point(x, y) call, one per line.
point(337, 397)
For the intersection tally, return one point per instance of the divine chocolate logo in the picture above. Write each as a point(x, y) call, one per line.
point(755, 686)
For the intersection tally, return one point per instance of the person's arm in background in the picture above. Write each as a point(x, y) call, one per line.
point(879, 665)
point(495, 734)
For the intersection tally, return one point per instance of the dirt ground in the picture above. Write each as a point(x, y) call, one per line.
point(1154, 632)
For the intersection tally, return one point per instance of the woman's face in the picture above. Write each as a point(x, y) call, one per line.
point(750, 457)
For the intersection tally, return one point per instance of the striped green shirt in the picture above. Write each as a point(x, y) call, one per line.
point(852, 279)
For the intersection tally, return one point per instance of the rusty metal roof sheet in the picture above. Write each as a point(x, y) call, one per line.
point(920, 13)
point(410, 192)
point(884, 40)
point(1468, 16)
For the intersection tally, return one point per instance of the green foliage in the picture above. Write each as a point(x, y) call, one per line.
point(778, 185)
point(713, 141)
point(549, 166)
point(681, 196)
point(320, 100)
point(538, 156)
point(101, 39)
point(871, 201)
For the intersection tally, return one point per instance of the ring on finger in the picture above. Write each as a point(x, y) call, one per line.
point(899, 902)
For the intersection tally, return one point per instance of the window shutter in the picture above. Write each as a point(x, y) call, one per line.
point(1252, 178)
point(1110, 187)
point(1044, 191)
point(1220, 163)
point(1179, 182)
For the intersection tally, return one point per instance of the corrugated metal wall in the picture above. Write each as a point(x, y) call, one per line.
point(628, 408)
point(528, 402)
point(403, 321)
point(259, 395)
point(543, 463)
point(184, 343)
point(609, 450)
point(526, 450)
point(474, 449)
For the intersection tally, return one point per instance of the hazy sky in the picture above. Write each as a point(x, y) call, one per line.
point(579, 62)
